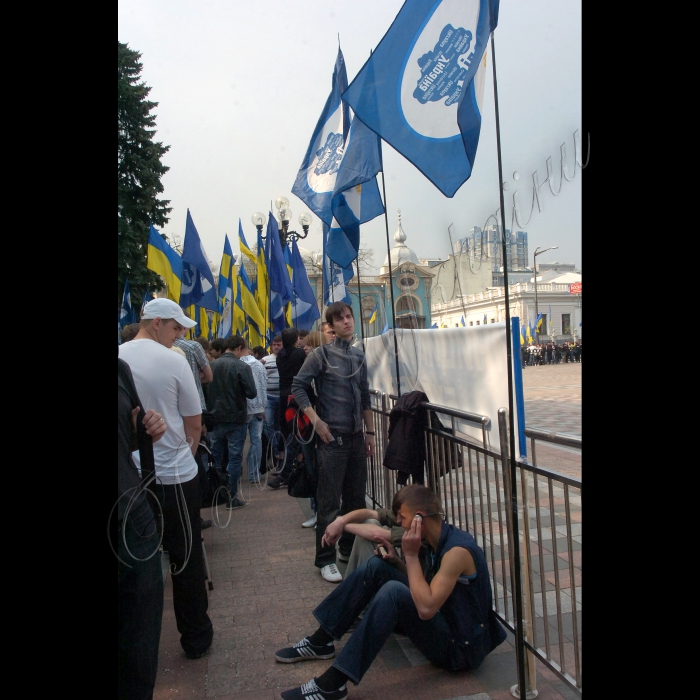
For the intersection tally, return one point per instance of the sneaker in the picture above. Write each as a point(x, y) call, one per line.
point(310, 691)
point(276, 483)
point(205, 524)
point(311, 522)
point(331, 573)
point(196, 654)
point(235, 503)
point(343, 557)
point(305, 651)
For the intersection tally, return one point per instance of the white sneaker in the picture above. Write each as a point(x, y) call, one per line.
point(311, 522)
point(331, 573)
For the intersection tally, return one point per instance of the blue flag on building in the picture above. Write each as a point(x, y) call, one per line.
point(356, 198)
point(280, 284)
point(126, 313)
point(304, 306)
point(462, 321)
point(315, 183)
point(197, 277)
point(435, 325)
point(335, 277)
point(421, 89)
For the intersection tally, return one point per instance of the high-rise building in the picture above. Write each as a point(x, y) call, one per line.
point(485, 245)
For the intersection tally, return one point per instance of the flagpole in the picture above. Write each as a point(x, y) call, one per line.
point(359, 296)
point(391, 283)
point(515, 546)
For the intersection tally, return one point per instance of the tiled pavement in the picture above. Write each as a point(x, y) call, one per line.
point(265, 587)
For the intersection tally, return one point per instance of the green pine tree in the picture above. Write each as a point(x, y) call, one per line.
point(140, 173)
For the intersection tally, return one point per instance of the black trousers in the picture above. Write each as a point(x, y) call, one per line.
point(190, 599)
point(342, 482)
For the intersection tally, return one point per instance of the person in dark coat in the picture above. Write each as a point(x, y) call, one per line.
point(406, 449)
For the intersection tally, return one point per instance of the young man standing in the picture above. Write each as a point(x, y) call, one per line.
point(256, 415)
point(342, 446)
point(232, 384)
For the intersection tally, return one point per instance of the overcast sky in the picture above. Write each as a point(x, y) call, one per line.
point(241, 84)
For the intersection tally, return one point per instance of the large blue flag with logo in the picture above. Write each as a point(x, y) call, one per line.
point(335, 277)
point(315, 181)
point(304, 307)
point(127, 314)
point(421, 88)
point(280, 284)
point(356, 197)
point(197, 278)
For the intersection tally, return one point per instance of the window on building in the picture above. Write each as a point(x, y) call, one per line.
point(471, 323)
point(493, 320)
point(478, 322)
point(566, 324)
point(543, 327)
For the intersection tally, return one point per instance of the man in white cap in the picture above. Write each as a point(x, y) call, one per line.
point(164, 382)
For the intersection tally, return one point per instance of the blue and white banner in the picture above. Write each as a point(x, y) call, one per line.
point(356, 199)
point(420, 89)
point(197, 277)
point(315, 181)
point(335, 277)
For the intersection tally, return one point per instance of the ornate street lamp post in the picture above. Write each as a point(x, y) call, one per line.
point(534, 267)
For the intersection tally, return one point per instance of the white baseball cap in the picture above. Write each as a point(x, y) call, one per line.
point(166, 308)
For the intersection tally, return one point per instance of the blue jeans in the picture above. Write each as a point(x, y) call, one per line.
point(391, 610)
point(255, 427)
point(234, 435)
point(272, 420)
point(140, 605)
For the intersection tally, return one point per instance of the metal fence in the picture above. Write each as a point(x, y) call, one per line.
point(474, 489)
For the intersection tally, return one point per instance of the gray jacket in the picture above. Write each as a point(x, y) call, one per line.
point(340, 374)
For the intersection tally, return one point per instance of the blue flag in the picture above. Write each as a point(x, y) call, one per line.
point(315, 181)
point(356, 197)
point(304, 306)
point(197, 278)
point(335, 277)
point(126, 313)
point(386, 328)
point(146, 298)
point(225, 291)
point(421, 88)
point(435, 325)
point(463, 322)
point(280, 284)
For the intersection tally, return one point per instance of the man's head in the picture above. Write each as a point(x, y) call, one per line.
point(301, 340)
point(290, 337)
point(340, 317)
point(327, 331)
point(163, 321)
point(217, 347)
point(259, 352)
point(203, 342)
point(413, 500)
point(236, 345)
point(276, 344)
point(130, 332)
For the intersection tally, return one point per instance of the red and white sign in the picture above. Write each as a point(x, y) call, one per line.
point(575, 288)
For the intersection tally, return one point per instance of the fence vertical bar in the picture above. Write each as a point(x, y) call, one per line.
point(543, 580)
point(572, 577)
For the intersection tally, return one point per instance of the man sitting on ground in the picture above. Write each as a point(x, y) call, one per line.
point(445, 611)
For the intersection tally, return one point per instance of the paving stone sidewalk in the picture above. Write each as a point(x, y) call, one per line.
point(265, 588)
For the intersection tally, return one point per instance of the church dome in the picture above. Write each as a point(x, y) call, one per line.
point(400, 253)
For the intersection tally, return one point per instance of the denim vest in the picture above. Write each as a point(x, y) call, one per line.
point(468, 609)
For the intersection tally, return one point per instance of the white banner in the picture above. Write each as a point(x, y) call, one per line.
point(461, 368)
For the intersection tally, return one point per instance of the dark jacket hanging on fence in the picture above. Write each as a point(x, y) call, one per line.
point(406, 449)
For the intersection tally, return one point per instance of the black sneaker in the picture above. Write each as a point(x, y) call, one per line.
point(310, 691)
point(276, 483)
point(305, 651)
point(205, 524)
point(235, 503)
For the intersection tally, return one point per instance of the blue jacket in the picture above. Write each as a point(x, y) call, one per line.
point(468, 609)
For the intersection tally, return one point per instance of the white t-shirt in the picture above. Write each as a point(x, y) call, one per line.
point(164, 382)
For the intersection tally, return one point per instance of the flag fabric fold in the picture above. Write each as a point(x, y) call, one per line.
point(335, 277)
point(304, 307)
point(356, 198)
point(315, 181)
point(280, 284)
point(225, 291)
point(421, 90)
point(127, 314)
point(164, 261)
point(197, 277)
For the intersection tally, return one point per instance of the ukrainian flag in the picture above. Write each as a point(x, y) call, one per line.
point(538, 322)
point(373, 317)
point(290, 272)
point(262, 290)
point(164, 261)
point(249, 304)
point(244, 245)
point(238, 313)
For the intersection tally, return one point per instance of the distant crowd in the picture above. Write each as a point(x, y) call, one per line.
point(550, 353)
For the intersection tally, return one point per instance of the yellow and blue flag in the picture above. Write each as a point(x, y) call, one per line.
point(373, 315)
point(164, 261)
point(262, 288)
point(243, 245)
point(225, 291)
point(249, 304)
point(462, 322)
point(238, 313)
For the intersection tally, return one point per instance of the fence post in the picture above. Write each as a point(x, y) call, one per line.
point(522, 689)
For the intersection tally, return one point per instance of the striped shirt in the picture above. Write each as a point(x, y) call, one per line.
point(197, 359)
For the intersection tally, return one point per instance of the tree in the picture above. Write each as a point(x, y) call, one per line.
point(139, 178)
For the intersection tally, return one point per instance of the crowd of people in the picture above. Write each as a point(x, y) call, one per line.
point(181, 400)
point(550, 353)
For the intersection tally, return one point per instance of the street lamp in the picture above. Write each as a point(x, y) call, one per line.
point(258, 220)
point(534, 265)
point(285, 216)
